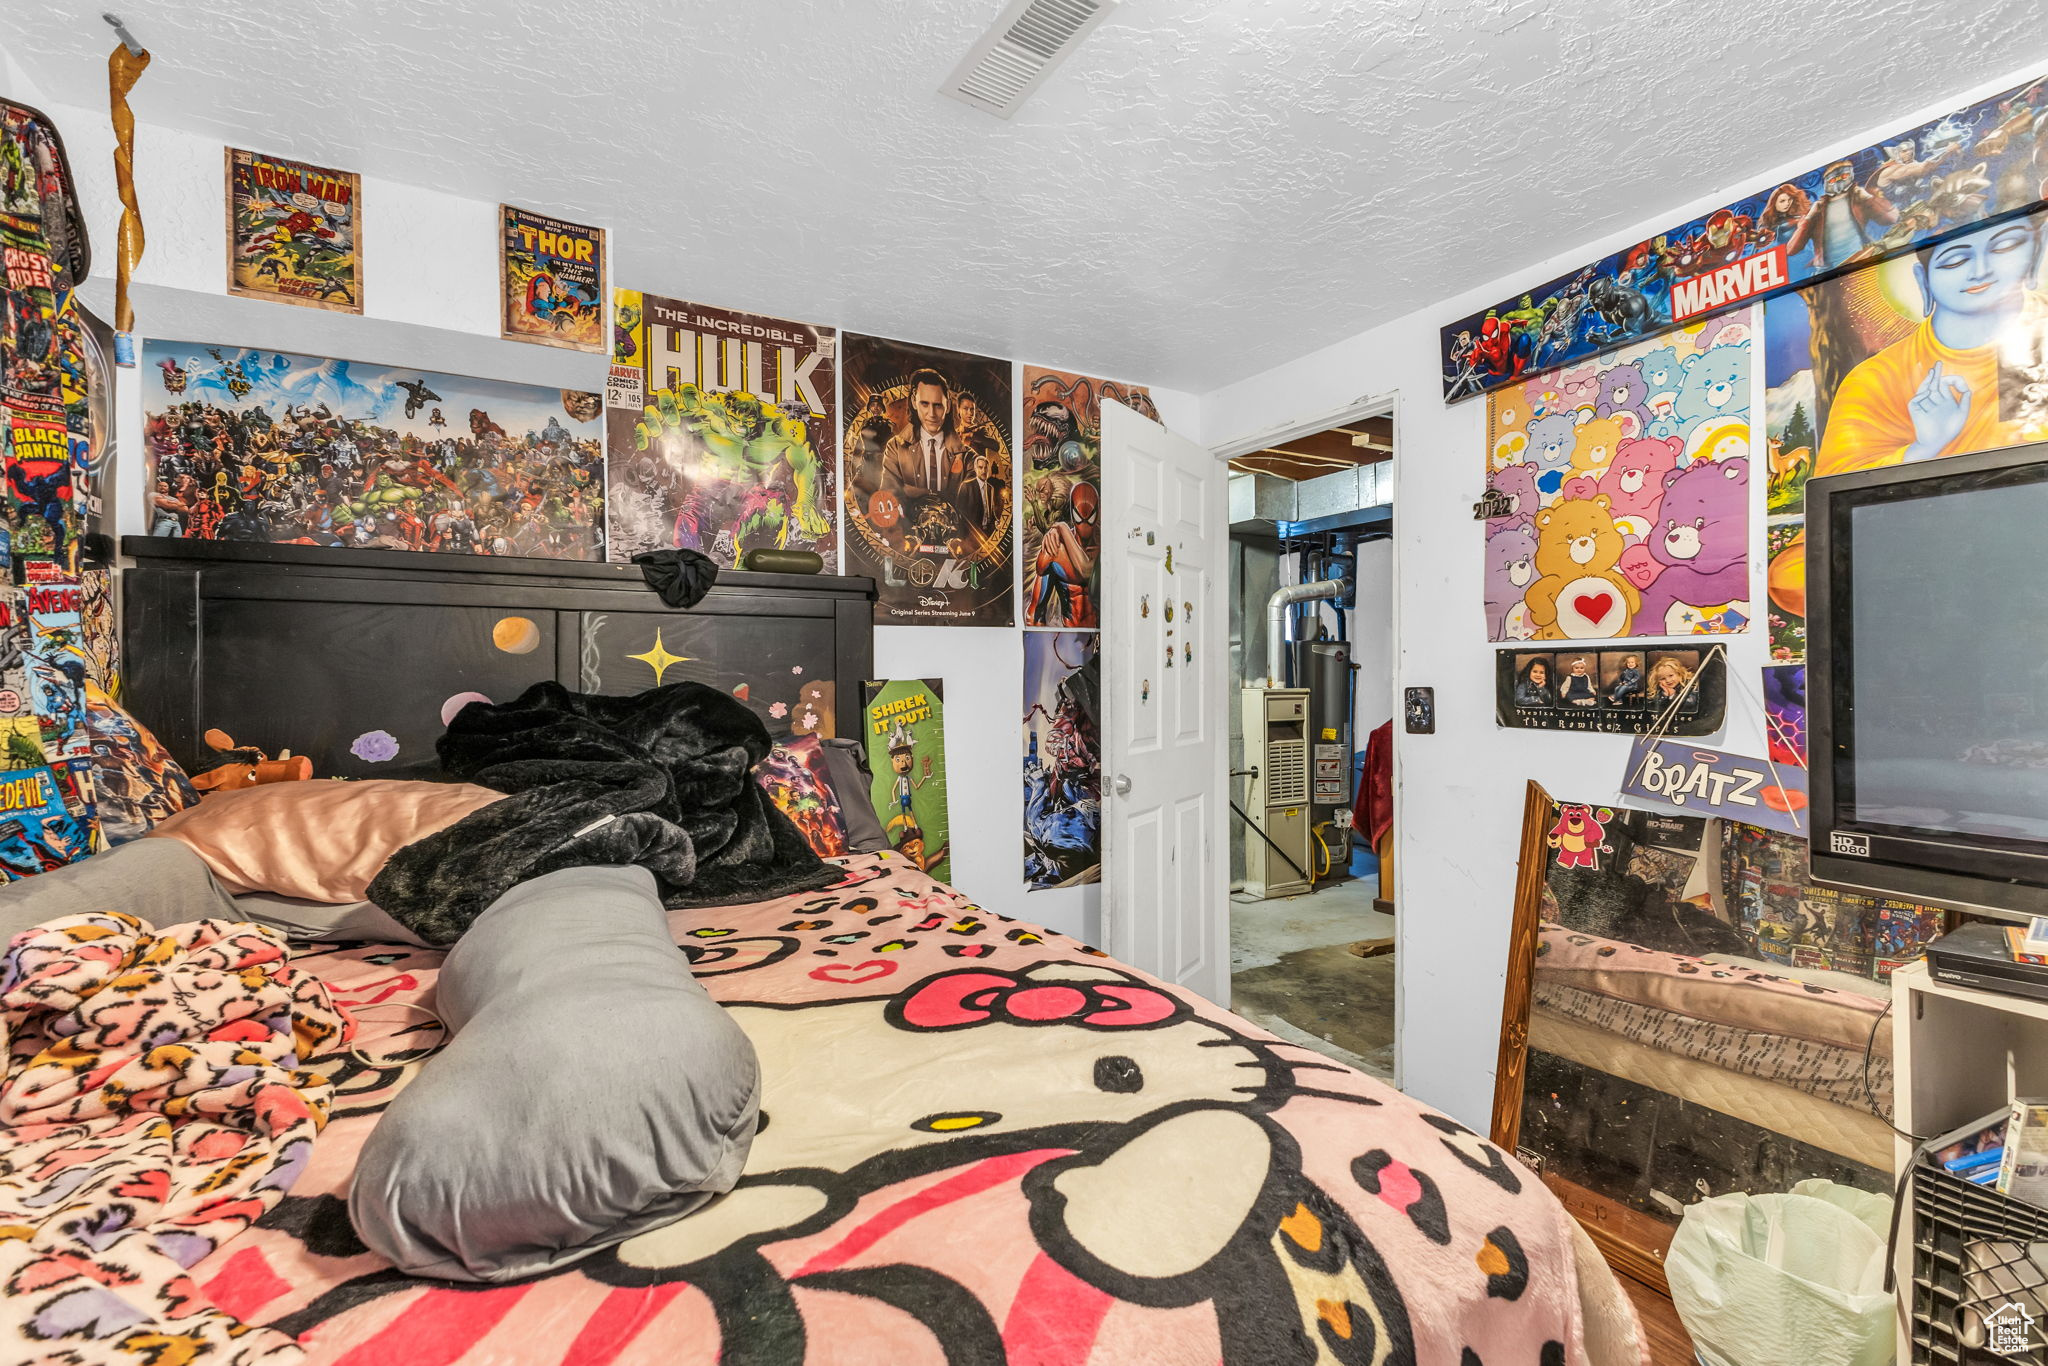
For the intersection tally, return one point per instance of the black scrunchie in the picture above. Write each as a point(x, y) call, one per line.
point(682, 577)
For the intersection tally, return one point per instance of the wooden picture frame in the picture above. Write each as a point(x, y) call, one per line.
point(1632, 1242)
point(590, 275)
point(324, 177)
point(1511, 1066)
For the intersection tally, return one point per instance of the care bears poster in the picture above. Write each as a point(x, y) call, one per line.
point(1627, 483)
point(1938, 353)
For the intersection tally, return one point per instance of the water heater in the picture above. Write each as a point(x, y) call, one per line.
point(1277, 744)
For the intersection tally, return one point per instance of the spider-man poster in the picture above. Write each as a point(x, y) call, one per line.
point(1062, 479)
point(928, 482)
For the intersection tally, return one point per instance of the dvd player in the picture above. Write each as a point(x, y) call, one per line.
point(1980, 956)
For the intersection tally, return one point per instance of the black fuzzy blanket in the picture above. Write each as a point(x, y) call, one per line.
point(663, 779)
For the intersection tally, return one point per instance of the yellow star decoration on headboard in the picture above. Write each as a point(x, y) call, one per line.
point(658, 658)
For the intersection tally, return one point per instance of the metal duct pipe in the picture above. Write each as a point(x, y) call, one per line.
point(1276, 610)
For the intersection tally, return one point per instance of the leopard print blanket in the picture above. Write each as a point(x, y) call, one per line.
point(153, 1107)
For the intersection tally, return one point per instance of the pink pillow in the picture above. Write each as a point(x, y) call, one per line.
point(320, 840)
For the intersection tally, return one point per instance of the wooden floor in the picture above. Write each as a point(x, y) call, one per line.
point(1669, 1346)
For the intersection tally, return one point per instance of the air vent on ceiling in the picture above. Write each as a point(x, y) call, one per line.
point(1028, 39)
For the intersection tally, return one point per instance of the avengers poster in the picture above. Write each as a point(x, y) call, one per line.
point(294, 232)
point(928, 482)
point(551, 281)
point(1966, 170)
point(721, 431)
point(272, 447)
point(1062, 474)
point(1941, 352)
point(905, 732)
point(1626, 483)
point(1062, 759)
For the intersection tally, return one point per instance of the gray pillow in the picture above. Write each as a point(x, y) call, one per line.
point(846, 764)
point(322, 921)
point(592, 1090)
point(159, 882)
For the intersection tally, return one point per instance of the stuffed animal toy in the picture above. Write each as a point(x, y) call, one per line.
point(242, 766)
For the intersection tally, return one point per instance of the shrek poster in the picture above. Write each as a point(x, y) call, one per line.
point(928, 495)
point(1940, 352)
point(905, 728)
point(720, 431)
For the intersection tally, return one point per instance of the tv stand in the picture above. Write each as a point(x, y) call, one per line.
point(1958, 1053)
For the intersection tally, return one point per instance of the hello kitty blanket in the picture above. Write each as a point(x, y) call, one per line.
point(981, 1143)
point(153, 1107)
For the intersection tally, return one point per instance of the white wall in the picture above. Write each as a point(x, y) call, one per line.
point(1459, 801)
point(430, 300)
point(1371, 628)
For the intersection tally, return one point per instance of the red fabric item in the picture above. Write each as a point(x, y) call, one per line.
point(1372, 815)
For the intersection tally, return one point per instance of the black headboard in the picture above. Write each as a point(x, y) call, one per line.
point(317, 650)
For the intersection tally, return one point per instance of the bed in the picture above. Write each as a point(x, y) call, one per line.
point(981, 1141)
point(1656, 1078)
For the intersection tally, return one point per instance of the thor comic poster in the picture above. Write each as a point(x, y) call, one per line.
point(720, 431)
point(295, 232)
point(551, 281)
point(929, 480)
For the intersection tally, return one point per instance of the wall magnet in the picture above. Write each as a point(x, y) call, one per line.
point(1145, 691)
point(1145, 606)
point(1169, 559)
point(1187, 652)
point(1148, 538)
point(1169, 611)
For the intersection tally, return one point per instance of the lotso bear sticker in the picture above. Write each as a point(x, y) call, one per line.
point(1627, 489)
point(1580, 836)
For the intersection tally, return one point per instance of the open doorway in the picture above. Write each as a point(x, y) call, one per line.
point(1311, 673)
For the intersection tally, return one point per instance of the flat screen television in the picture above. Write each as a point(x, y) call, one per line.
point(1927, 679)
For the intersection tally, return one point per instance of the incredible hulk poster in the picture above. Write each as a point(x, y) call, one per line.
point(906, 739)
point(720, 430)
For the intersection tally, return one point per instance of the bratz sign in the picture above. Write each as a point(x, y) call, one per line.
point(1699, 781)
point(1966, 170)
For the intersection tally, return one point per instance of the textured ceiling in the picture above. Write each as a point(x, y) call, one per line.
point(1206, 188)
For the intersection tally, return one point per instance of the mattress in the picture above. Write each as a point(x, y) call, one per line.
point(1847, 1131)
point(1737, 1016)
point(982, 1142)
point(1845, 1076)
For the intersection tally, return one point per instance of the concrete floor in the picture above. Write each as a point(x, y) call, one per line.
point(1292, 971)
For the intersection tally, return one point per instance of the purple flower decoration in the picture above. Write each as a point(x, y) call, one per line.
point(375, 747)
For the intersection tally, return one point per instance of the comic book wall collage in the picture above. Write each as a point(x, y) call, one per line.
point(1891, 304)
point(58, 666)
point(727, 433)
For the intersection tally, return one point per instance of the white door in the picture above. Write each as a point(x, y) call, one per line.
point(1165, 636)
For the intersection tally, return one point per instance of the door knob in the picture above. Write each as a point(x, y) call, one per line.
point(1122, 786)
